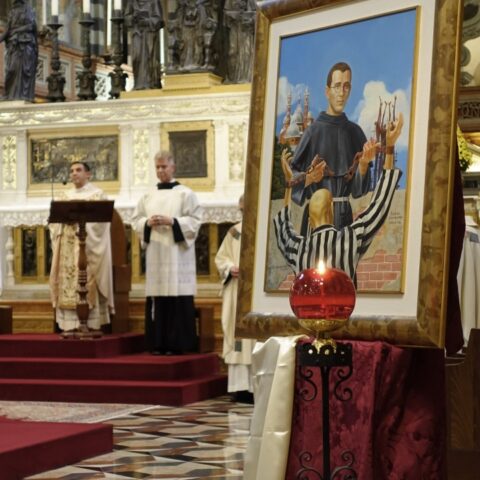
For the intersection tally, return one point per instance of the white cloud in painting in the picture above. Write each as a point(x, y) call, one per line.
point(284, 88)
point(366, 112)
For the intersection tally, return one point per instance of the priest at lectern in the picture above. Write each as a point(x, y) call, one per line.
point(65, 250)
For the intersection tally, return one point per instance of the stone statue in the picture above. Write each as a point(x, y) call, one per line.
point(145, 19)
point(191, 55)
point(21, 58)
point(209, 29)
point(173, 45)
point(239, 20)
point(191, 31)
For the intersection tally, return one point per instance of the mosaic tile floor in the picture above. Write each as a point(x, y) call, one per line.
point(204, 440)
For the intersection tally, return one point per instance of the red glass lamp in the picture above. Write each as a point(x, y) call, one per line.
point(322, 299)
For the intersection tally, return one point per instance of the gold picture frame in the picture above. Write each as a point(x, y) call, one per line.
point(206, 181)
point(416, 317)
point(50, 153)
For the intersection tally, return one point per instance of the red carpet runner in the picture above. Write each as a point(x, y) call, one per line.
point(27, 448)
point(113, 369)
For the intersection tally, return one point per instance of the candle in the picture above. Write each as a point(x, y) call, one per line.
point(117, 4)
point(86, 6)
point(322, 298)
point(54, 8)
point(109, 24)
point(162, 49)
point(44, 12)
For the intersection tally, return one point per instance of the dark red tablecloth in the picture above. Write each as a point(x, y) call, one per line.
point(394, 424)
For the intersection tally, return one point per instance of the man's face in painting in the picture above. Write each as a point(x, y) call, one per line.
point(338, 91)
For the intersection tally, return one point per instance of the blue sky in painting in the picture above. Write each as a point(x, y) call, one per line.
point(380, 52)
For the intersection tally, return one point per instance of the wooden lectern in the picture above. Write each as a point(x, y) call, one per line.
point(81, 212)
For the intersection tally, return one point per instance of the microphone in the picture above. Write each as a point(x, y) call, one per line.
point(66, 174)
point(51, 178)
point(51, 184)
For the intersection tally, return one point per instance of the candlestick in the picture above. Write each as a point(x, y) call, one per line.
point(118, 76)
point(54, 7)
point(86, 6)
point(86, 78)
point(56, 80)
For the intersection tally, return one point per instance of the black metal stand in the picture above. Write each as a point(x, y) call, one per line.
point(118, 76)
point(326, 358)
point(56, 81)
point(86, 78)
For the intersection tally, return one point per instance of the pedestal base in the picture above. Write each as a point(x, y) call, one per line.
point(190, 81)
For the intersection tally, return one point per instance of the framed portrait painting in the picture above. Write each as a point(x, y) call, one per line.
point(344, 92)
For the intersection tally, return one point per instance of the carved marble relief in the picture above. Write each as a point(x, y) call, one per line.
point(141, 156)
point(9, 162)
point(236, 151)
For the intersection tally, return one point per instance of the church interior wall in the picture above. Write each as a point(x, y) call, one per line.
point(140, 124)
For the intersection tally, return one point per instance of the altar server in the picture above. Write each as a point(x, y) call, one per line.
point(167, 221)
point(237, 353)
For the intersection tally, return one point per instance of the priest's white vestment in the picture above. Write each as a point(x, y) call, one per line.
point(64, 269)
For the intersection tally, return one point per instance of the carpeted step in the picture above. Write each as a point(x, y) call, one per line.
point(175, 393)
point(45, 367)
point(28, 448)
point(123, 367)
point(51, 345)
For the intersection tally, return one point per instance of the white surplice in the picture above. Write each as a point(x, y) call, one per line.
point(468, 279)
point(237, 353)
point(170, 265)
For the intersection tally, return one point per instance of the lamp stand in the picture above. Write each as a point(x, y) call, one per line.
point(326, 357)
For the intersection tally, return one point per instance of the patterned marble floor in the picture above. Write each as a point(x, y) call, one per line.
point(204, 440)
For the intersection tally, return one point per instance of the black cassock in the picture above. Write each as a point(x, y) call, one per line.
point(337, 140)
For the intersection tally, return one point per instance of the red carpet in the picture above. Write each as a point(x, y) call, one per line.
point(28, 448)
point(107, 370)
point(51, 345)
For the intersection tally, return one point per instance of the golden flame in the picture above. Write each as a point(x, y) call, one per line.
point(321, 266)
